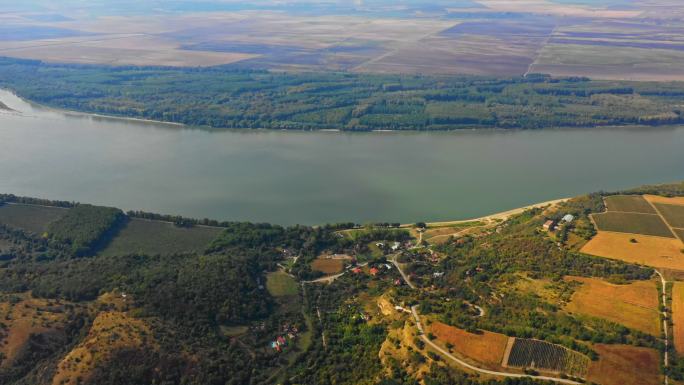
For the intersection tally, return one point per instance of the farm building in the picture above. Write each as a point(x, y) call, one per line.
point(549, 225)
point(568, 218)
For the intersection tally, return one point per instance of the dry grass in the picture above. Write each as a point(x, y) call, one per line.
point(110, 331)
point(634, 305)
point(23, 318)
point(625, 365)
point(678, 315)
point(327, 265)
point(635, 223)
point(649, 251)
point(487, 348)
point(665, 200)
point(629, 203)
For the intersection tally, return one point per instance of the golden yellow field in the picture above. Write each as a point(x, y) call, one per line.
point(666, 200)
point(634, 305)
point(648, 250)
point(487, 348)
point(625, 365)
point(678, 316)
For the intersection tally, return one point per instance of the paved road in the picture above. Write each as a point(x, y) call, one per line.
point(666, 362)
point(460, 362)
point(475, 368)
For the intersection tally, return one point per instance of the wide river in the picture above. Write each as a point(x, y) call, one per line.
point(319, 177)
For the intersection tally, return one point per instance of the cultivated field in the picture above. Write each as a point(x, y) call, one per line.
point(634, 305)
point(649, 251)
point(279, 284)
point(141, 236)
point(542, 355)
point(629, 203)
point(486, 348)
point(645, 224)
point(30, 217)
point(625, 365)
point(665, 200)
point(327, 265)
point(673, 214)
point(678, 316)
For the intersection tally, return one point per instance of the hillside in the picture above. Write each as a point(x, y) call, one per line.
point(515, 302)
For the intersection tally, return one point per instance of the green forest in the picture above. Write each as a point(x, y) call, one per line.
point(226, 97)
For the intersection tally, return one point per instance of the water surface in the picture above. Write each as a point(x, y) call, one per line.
point(319, 177)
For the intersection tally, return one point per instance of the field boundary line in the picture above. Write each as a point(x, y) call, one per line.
point(669, 227)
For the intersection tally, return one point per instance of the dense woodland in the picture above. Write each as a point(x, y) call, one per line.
point(227, 97)
point(188, 300)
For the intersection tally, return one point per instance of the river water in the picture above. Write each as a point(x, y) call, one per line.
point(319, 177)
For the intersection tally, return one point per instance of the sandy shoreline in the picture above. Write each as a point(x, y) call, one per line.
point(496, 216)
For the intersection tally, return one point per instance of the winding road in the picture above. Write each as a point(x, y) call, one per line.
point(421, 333)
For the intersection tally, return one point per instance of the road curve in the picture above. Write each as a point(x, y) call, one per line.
point(416, 317)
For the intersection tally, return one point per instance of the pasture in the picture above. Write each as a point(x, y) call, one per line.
point(279, 284)
point(33, 218)
point(645, 224)
point(142, 236)
point(634, 305)
point(629, 203)
point(625, 365)
point(486, 347)
point(673, 214)
point(650, 251)
point(327, 266)
point(542, 355)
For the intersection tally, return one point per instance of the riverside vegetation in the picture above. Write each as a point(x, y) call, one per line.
point(225, 97)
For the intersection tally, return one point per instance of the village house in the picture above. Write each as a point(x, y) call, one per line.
point(549, 225)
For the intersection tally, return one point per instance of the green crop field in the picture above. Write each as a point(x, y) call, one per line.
point(30, 217)
point(280, 284)
point(673, 214)
point(629, 203)
point(155, 237)
point(645, 224)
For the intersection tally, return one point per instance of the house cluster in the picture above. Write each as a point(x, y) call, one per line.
point(553, 225)
point(290, 333)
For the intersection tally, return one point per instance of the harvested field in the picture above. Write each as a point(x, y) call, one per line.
point(634, 305)
point(649, 251)
point(678, 316)
point(487, 348)
point(279, 284)
point(665, 200)
point(30, 217)
point(542, 355)
point(327, 265)
point(645, 224)
point(625, 365)
point(673, 214)
point(629, 203)
point(141, 236)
